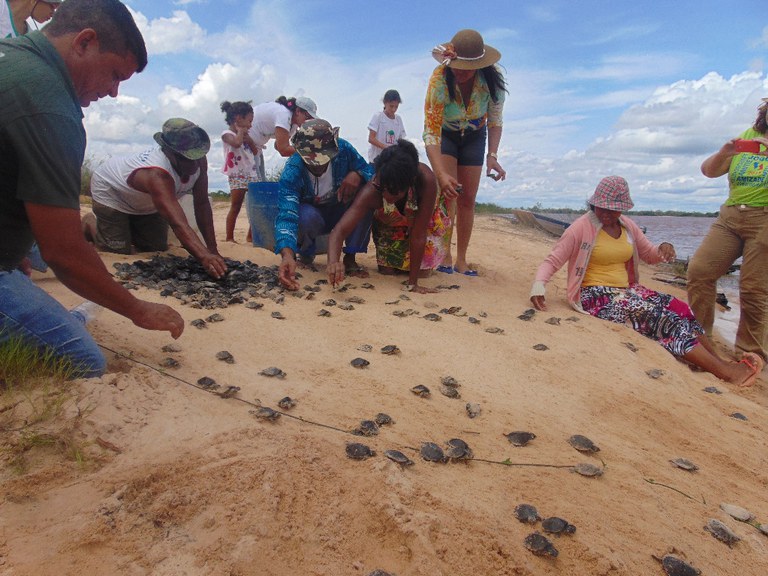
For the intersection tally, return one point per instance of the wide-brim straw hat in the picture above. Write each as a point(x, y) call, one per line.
point(466, 51)
point(184, 137)
point(612, 193)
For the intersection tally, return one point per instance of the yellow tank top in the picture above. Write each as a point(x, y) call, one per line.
point(607, 263)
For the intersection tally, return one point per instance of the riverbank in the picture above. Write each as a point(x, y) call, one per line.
point(173, 479)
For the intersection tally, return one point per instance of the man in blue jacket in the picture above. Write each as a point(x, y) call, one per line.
point(313, 198)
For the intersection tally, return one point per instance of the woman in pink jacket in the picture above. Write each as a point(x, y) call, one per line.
point(603, 249)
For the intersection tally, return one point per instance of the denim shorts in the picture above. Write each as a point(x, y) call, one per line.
point(468, 146)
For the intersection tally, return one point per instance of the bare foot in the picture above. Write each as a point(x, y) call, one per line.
point(754, 365)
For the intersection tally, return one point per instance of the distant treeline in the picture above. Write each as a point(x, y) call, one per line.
point(490, 208)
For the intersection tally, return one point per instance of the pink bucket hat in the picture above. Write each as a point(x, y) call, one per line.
point(612, 194)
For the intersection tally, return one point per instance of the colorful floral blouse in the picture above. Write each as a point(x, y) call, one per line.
point(442, 113)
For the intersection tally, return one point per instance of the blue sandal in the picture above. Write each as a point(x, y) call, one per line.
point(445, 269)
point(466, 272)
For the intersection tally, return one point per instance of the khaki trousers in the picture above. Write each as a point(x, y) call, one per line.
point(738, 231)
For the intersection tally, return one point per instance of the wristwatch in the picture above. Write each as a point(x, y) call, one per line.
point(493, 155)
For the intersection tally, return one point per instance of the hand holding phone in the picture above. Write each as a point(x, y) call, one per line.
point(749, 146)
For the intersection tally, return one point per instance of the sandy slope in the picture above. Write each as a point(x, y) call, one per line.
point(180, 481)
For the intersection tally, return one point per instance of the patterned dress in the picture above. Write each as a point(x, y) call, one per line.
point(391, 234)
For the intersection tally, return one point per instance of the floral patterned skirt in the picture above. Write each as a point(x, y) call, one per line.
point(661, 317)
point(392, 239)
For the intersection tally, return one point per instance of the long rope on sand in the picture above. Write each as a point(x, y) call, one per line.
point(224, 395)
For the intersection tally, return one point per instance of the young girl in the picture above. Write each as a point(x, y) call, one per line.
point(239, 163)
point(385, 128)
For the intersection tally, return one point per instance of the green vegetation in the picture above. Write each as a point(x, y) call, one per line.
point(35, 389)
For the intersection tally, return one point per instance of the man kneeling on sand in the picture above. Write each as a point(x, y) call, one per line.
point(136, 198)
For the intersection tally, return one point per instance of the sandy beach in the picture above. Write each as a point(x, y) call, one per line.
point(174, 480)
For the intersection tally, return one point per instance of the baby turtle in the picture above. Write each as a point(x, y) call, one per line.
point(366, 428)
point(345, 306)
point(684, 464)
point(390, 349)
point(383, 419)
point(431, 452)
point(170, 363)
point(273, 372)
point(432, 317)
point(555, 525)
point(171, 348)
point(356, 300)
point(323, 312)
point(449, 391)
point(583, 444)
point(588, 470)
point(473, 320)
point(540, 545)
point(721, 532)
point(207, 383)
point(215, 318)
point(494, 330)
point(380, 572)
point(737, 512)
point(399, 457)
point(712, 390)
point(674, 566)
point(473, 409)
point(655, 373)
point(739, 416)
point(553, 320)
point(329, 302)
point(286, 403)
point(367, 286)
point(450, 381)
point(254, 305)
point(421, 391)
point(365, 347)
point(520, 438)
point(359, 363)
point(358, 451)
point(265, 413)
point(527, 315)
point(630, 346)
point(225, 356)
point(199, 323)
point(541, 347)
point(458, 450)
point(526, 513)
point(229, 392)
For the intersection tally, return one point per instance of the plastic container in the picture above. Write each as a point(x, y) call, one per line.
point(261, 203)
point(749, 146)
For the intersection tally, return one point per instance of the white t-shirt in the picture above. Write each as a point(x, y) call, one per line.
point(388, 131)
point(267, 117)
point(109, 182)
point(238, 161)
point(323, 186)
point(7, 29)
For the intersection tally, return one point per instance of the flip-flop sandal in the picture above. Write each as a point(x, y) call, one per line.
point(445, 269)
point(754, 363)
point(466, 272)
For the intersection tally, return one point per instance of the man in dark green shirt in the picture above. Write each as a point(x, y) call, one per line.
point(46, 78)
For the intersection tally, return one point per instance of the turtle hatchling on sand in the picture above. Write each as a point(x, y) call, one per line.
point(721, 532)
point(526, 513)
point(383, 419)
point(225, 356)
point(421, 391)
point(527, 315)
point(286, 403)
point(458, 450)
point(399, 457)
point(674, 566)
point(207, 383)
point(358, 451)
point(473, 409)
point(170, 363)
point(494, 330)
point(541, 347)
point(450, 381)
point(390, 349)
point(199, 323)
point(449, 391)
point(277, 315)
point(215, 318)
point(520, 438)
point(431, 452)
point(380, 572)
point(540, 545)
point(737, 512)
point(273, 372)
point(684, 464)
point(583, 444)
point(432, 317)
point(359, 363)
point(588, 470)
point(366, 428)
point(555, 525)
point(265, 413)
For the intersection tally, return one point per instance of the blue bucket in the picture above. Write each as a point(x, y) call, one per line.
point(262, 212)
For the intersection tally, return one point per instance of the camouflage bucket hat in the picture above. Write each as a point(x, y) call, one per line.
point(317, 142)
point(185, 138)
point(612, 193)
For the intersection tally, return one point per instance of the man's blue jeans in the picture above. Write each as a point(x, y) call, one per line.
point(315, 220)
point(28, 312)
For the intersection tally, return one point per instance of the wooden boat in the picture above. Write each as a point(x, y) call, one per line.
point(540, 221)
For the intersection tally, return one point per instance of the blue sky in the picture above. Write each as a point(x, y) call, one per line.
point(645, 89)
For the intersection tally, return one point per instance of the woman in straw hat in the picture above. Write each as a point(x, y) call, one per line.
point(463, 108)
point(602, 249)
